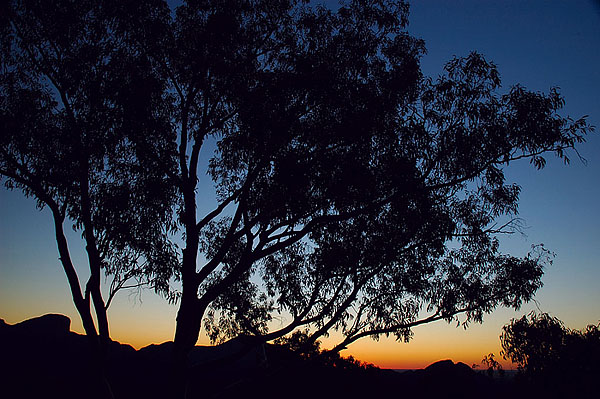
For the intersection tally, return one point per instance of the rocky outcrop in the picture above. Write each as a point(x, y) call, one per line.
point(42, 358)
point(46, 325)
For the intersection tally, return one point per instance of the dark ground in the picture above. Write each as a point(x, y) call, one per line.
point(41, 358)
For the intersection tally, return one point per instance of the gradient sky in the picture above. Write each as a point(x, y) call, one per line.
point(539, 44)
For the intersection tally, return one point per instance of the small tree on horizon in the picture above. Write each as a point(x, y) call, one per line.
point(550, 355)
point(492, 365)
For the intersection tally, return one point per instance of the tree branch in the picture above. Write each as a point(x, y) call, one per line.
point(229, 239)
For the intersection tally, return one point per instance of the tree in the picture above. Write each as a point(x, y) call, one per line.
point(353, 194)
point(551, 355)
point(492, 364)
point(77, 127)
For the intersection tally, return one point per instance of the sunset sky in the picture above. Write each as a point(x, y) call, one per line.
point(539, 44)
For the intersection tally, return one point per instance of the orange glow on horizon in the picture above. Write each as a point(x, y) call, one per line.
point(150, 320)
point(431, 343)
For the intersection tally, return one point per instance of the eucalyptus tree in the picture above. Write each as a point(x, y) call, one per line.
point(79, 121)
point(352, 193)
point(550, 357)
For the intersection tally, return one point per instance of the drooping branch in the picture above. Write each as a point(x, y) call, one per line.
point(439, 314)
point(352, 338)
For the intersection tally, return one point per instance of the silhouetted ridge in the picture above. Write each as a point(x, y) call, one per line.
point(42, 358)
point(445, 368)
point(49, 324)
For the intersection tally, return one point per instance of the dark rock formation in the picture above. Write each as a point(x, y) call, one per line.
point(42, 358)
point(46, 325)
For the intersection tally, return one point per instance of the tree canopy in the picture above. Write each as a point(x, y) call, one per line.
point(77, 131)
point(352, 192)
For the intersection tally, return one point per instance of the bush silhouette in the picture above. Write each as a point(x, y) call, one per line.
point(549, 355)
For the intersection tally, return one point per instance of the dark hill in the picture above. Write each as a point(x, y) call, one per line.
point(42, 358)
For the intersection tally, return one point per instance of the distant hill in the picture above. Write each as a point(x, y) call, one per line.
point(41, 357)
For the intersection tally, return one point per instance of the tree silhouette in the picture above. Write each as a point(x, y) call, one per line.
point(551, 356)
point(77, 126)
point(492, 365)
point(352, 193)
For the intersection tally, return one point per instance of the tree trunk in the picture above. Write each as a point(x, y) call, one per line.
point(189, 315)
point(188, 324)
point(81, 304)
point(91, 247)
point(189, 319)
point(98, 349)
point(99, 305)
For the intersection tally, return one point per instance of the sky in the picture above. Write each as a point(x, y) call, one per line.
point(538, 44)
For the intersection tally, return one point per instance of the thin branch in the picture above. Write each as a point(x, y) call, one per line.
point(438, 315)
point(491, 230)
point(350, 339)
point(497, 161)
point(183, 141)
point(122, 286)
point(229, 239)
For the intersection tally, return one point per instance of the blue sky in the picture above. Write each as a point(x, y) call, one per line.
point(539, 44)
